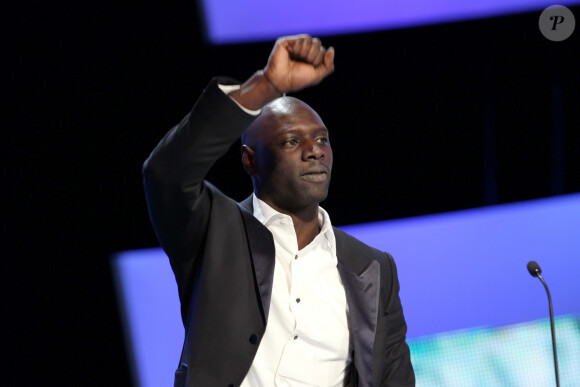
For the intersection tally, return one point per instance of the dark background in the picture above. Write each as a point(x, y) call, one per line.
point(422, 120)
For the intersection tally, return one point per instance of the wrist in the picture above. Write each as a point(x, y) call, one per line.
point(256, 92)
point(280, 92)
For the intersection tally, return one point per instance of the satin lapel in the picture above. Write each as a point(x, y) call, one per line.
point(262, 252)
point(362, 295)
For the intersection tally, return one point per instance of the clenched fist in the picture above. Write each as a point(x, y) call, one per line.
point(297, 62)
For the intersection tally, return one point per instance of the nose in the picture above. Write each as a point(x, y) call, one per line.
point(313, 151)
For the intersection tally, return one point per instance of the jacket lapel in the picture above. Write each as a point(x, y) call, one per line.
point(361, 280)
point(262, 251)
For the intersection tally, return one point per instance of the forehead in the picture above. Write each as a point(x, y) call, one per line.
point(290, 113)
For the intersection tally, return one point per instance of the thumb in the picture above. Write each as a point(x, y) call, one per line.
point(326, 67)
point(329, 60)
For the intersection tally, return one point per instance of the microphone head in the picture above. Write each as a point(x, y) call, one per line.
point(534, 268)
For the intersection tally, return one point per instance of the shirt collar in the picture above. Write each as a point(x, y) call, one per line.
point(265, 214)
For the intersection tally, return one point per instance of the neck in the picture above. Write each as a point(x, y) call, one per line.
point(305, 221)
point(306, 225)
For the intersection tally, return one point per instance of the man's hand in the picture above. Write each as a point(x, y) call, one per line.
point(297, 62)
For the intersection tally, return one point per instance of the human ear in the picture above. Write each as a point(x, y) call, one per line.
point(249, 160)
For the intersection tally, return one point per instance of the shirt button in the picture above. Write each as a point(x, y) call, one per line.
point(296, 257)
point(298, 300)
point(295, 337)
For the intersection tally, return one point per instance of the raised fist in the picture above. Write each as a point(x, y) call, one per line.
point(297, 62)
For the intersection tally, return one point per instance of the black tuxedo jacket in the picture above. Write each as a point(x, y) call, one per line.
point(223, 261)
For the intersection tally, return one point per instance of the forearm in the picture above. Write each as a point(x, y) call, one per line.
point(187, 152)
point(174, 172)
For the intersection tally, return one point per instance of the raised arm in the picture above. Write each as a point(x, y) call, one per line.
point(174, 172)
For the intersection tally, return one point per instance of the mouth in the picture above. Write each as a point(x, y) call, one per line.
point(315, 176)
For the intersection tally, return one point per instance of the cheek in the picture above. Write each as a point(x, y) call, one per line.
point(286, 172)
point(286, 161)
point(329, 157)
point(284, 169)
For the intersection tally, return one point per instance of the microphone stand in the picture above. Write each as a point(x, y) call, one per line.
point(553, 329)
point(535, 271)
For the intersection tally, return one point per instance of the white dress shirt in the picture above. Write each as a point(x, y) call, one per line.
point(307, 339)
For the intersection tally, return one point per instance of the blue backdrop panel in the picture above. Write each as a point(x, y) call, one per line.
point(249, 20)
point(468, 268)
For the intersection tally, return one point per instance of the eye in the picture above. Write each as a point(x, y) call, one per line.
point(290, 142)
point(322, 140)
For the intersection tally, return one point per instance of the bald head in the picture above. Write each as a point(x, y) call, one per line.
point(272, 116)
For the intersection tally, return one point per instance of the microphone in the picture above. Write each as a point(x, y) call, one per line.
point(535, 271)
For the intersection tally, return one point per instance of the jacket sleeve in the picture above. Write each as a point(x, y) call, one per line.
point(178, 198)
point(397, 367)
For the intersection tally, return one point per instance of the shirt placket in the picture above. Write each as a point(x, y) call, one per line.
point(290, 250)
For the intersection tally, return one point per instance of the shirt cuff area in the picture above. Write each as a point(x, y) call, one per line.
point(227, 89)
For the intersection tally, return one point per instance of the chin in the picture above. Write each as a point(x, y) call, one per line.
point(315, 197)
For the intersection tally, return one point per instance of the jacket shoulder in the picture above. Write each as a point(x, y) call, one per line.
point(348, 242)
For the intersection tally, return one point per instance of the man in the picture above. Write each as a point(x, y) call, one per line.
point(271, 294)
